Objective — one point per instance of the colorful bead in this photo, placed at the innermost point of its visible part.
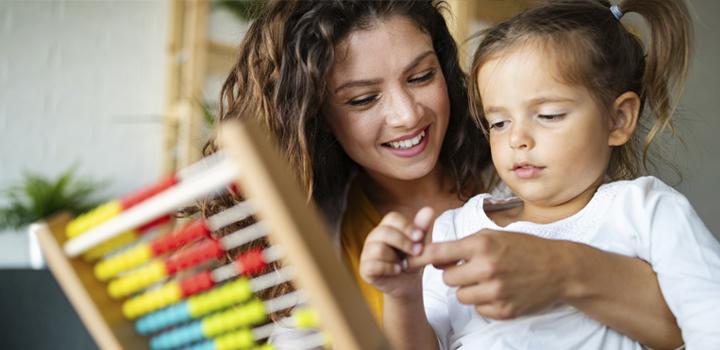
(111, 244)
(251, 262)
(92, 218)
(228, 294)
(305, 318)
(241, 316)
(137, 280)
(152, 300)
(135, 256)
(231, 293)
(249, 314)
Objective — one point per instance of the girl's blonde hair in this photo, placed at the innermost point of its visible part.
(593, 48)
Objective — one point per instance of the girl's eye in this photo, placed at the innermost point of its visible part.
(364, 100)
(422, 77)
(551, 117)
(499, 125)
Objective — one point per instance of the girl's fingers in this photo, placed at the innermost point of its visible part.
(440, 254)
(380, 251)
(374, 269)
(423, 222)
(392, 238)
(402, 224)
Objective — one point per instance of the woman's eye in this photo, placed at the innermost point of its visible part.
(551, 117)
(364, 100)
(423, 77)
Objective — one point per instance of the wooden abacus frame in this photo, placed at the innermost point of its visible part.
(293, 224)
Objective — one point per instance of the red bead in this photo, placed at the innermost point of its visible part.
(172, 241)
(207, 250)
(196, 284)
(251, 262)
(152, 224)
(147, 192)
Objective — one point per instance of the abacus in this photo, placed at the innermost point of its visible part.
(173, 290)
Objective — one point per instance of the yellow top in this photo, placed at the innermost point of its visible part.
(359, 219)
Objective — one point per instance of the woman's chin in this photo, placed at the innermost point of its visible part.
(415, 171)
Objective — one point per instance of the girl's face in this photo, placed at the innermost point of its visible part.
(549, 140)
(388, 104)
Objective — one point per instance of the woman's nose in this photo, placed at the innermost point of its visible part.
(403, 109)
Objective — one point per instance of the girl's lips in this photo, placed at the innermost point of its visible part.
(414, 150)
(527, 171)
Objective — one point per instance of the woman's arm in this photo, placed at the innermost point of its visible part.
(506, 275)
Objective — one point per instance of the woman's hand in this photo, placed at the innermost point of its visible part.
(383, 259)
(504, 275)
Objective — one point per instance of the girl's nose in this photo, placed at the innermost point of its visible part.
(521, 136)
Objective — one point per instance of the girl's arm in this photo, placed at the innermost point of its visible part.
(406, 325)
(506, 275)
(381, 265)
(620, 292)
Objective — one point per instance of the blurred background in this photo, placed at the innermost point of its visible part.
(98, 98)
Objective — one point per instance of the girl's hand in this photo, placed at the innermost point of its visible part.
(383, 259)
(505, 275)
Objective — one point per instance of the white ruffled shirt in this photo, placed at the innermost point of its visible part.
(642, 218)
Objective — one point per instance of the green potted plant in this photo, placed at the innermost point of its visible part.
(37, 197)
(34, 198)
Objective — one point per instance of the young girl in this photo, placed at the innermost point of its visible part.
(560, 91)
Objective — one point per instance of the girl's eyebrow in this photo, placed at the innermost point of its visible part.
(493, 109)
(545, 99)
(532, 102)
(415, 62)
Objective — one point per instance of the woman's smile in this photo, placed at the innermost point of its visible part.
(409, 145)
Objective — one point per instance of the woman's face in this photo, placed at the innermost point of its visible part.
(388, 104)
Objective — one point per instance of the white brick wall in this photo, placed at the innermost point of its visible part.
(82, 82)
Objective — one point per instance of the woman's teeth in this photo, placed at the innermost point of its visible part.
(405, 144)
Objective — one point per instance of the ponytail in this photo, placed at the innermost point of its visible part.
(667, 58)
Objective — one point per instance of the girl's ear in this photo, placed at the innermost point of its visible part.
(623, 121)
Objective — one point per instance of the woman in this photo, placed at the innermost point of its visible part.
(368, 102)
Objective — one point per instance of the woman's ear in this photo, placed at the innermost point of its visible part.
(624, 116)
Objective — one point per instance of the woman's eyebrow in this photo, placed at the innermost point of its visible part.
(415, 62)
(354, 83)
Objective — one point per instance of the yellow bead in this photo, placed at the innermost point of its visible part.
(152, 300)
(124, 261)
(116, 242)
(305, 318)
(240, 316)
(137, 280)
(92, 218)
(241, 339)
(266, 346)
(228, 294)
